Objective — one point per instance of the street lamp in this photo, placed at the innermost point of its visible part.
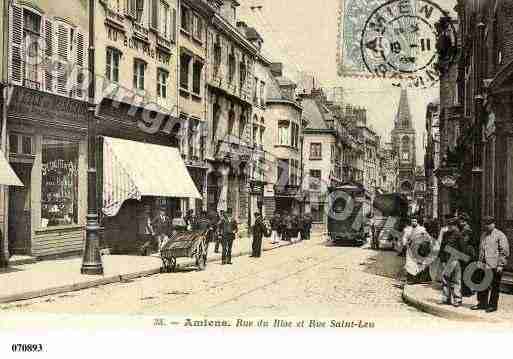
(91, 261)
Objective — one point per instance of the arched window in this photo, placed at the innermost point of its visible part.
(405, 148)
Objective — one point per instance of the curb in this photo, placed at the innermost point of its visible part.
(109, 280)
(440, 311)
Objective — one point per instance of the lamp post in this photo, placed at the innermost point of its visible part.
(91, 261)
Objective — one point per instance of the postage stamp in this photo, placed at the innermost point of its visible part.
(396, 40)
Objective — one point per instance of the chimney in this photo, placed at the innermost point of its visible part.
(277, 69)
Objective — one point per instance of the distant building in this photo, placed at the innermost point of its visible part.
(404, 142)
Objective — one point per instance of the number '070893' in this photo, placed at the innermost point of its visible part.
(27, 348)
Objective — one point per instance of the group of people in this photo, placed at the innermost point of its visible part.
(221, 228)
(456, 248)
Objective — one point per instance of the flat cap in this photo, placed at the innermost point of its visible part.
(488, 220)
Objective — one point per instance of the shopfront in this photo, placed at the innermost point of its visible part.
(48, 152)
(137, 179)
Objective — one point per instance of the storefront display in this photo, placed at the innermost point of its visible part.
(59, 185)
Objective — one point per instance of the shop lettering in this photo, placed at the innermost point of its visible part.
(138, 45)
(48, 103)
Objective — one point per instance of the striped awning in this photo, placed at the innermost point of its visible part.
(7, 175)
(133, 169)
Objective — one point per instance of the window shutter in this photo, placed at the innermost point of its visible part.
(16, 39)
(80, 63)
(48, 55)
(62, 51)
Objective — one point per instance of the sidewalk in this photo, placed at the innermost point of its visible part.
(20, 282)
(426, 297)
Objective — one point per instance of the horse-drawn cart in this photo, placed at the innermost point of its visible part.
(190, 244)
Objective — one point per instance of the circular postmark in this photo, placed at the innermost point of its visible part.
(399, 41)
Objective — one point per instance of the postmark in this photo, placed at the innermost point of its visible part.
(399, 39)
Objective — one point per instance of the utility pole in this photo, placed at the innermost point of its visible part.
(91, 261)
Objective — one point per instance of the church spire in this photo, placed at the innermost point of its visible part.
(403, 117)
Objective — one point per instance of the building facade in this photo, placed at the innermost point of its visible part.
(432, 159)
(230, 83)
(46, 127)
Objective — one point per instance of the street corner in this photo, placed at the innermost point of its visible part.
(427, 297)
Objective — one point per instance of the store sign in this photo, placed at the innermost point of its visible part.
(143, 47)
(32, 103)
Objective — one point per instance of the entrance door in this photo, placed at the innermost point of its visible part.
(19, 211)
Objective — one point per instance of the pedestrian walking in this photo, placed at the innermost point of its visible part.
(452, 240)
(230, 229)
(259, 229)
(219, 230)
(275, 228)
(416, 263)
(287, 227)
(307, 225)
(493, 253)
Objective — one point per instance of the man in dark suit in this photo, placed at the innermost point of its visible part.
(218, 230)
(259, 229)
(493, 253)
(230, 228)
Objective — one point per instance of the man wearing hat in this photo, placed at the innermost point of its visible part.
(162, 226)
(258, 231)
(451, 273)
(493, 252)
(230, 228)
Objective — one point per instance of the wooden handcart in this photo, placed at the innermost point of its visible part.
(190, 244)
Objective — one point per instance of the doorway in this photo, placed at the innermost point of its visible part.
(19, 211)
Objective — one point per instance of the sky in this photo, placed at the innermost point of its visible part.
(303, 35)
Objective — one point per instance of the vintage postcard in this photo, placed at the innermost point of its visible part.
(339, 165)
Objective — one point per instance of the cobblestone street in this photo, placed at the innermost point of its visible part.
(310, 280)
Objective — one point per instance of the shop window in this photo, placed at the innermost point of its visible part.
(162, 77)
(59, 185)
(315, 151)
(13, 143)
(20, 144)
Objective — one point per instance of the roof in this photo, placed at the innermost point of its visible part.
(312, 112)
